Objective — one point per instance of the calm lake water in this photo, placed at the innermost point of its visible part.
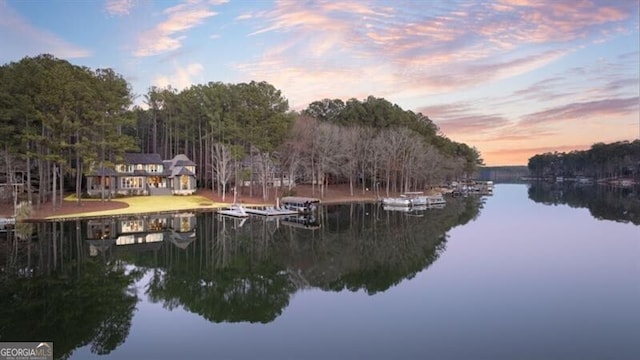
(532, 272)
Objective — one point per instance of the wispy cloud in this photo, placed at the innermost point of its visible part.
(457, 74)
(473, 124)
(182, 77)
(506, 137)
(567, 127)
(461, 119)
(119, 7)
(514, 156)
(497, 74)
(591, 109)
(425, 48)
(21, 37)
(170, 33)
(542, 149)
(559, 21)
(543, 90)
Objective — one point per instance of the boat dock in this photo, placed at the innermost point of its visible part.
(7, 223)
(270, 211)
(416, 198)
(234, 211)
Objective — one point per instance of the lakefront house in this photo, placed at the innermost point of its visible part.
(144, 174)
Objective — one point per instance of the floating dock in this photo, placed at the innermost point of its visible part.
(270, 211)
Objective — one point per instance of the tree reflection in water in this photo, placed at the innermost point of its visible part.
(74, 282)
(621, 204)
(50, 291)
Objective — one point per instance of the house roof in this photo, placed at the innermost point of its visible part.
(181, 160)
(181, 239)
(184, 163)
(176, 171)
(142, 158)
(171, 168)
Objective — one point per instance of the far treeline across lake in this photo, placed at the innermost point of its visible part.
(617, 162)
(59, 121)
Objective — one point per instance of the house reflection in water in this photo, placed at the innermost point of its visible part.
(145, 232)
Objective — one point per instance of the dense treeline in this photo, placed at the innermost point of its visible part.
(601, 161)
(57, 120)
(379, 113)
(244, 133)
(231, 131)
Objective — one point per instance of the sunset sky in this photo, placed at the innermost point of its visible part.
(511, 77)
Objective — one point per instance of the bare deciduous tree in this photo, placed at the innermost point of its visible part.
(222, 161)
(265, 169)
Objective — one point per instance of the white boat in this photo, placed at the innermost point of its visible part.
(419, 201)
(484, 187)
(7, 223)
(432, 200)
(418, 198)
(396, 208)
(396, 201)
(270, 211)
(235, 211)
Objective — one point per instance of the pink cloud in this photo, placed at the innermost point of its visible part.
(472, 124)
(540, 87)
(459, 73)
(181, 78)
(119, 7)
(541, 149)
(290, 16)
(461, 121)
(342, 52)
(435, 48)
(169, 34)
(22, 38)
(581, 110)
(562, 127)
(357, 8)
(559, 21)
(520, 156)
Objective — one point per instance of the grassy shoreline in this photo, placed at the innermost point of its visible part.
(132, 206)
(202, 201)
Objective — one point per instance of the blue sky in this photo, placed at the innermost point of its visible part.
(511, 77)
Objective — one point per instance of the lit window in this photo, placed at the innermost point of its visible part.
(185, 182)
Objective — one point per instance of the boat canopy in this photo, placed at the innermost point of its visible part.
(299, 200)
